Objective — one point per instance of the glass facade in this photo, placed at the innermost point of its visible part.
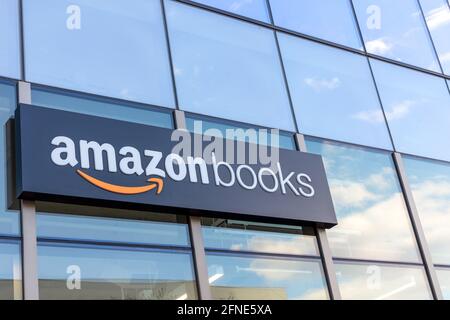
(364, 82)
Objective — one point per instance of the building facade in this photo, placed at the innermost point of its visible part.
(363, 83)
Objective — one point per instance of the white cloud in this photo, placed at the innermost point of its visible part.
(350, 193)
(379, 46)
(438, 17)
(397, 111)
(323, 84)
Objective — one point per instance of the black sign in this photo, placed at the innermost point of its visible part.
(70, 157)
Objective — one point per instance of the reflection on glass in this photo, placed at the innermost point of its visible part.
(252, 278)
(69, 272)
(258, 237)
(255, 9)
(444, 281)
(330, 20)
(417, 108)
(9, 39)
(396, 30)
(92, 106)
(333, 93)
(112, 48)
(437, 14)
(9, 220)
(373, 221)
(219, 129)
(382, 282)
(66, 226)
(227, 68)
(10, 271)
(430, 185)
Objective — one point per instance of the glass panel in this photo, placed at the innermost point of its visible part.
(10, 271)
(252, 278)
(444, 281)
(333, 93)
(9, 220)
(437, 14)
(258, 237)
(417, 108)
(315, 18)
(396, 30)
(227, 68)
(67, 222)
(373, 222)
(70, 272)
(255, 9)
(219, 129)
(382, 282)
(430, 185)
(9, 39)
(107, 47)
(99, 107)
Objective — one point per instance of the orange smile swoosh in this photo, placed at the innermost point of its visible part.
(154, 182)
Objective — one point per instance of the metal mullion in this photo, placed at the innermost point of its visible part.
(196, 236)
(417, 228)
(324, 246)
(169, 54)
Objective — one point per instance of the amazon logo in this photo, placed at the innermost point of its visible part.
(156, 167)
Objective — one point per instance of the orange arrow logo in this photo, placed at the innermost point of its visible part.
(154, 183)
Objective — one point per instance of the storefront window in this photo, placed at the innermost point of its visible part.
(396, 30)
(258, 237)
(111, 48)
(437, 14)
(227, 68)
(254, 278)
(92, 105)
(363, 281)
(430, 184)
(10, 271)
(89, 272)
(373, 222)
(333, 93)
(103, 253)
(444, 281)
(9, 39)
(417, 107)
(314, 18)
(9, 220)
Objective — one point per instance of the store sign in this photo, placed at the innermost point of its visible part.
(69, 157)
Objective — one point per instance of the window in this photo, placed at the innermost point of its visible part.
(9, 39)
(333, 93)
(315, 18)
(96, 106)
(382, 282)
(227, 68)
(444, 281)
(111, 48)
(86, 272)
(396, 30)
(9, 220)
(254, 278)
(255, 9)
(10, 271)
(437, 14)
(430, 184)
(258, 237)
(417, 108)
(90, 253)
(200, 125)
(258, 261)
(373, 222)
